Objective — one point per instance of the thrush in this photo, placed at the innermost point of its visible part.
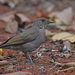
(30, 39)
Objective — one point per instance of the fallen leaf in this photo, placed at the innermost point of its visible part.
(64, 65)
(70, 64)
(4, 62)
(70, 38)
(7, 16)
(66, 15)
(61, 35)
(2, 57)
(43, 50)
(12, 26)
(10, 67)
(50, 8)
(48, 33)
(15, 1)
(42, 13)
(65, 36)
(73, 25)
(10, 3)
(19, 73)
(68, 69)
(22, 18)
(53, 14)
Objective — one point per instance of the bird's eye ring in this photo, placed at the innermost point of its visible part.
(43, 20)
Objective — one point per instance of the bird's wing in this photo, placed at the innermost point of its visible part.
(24, 37)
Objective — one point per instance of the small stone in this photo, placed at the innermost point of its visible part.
(19, 69)
(44, 70)
(64, 48)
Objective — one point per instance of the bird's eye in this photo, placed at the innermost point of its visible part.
(43, 20)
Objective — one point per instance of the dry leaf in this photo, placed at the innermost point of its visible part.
(64, 36)
(68, 69)
(66, 15)
(66, 65)
(7, 1)
(54, 18)
(21, 18)
(3, 62)
(73, 25)
(4, 1)
(42, 13)
(12, 26)
(51, 15)
(50, 8)
(19, 73)
(10, 67)
(48, 33)
(61, 35)
(15, 1)
(11, 3)
(70, 38)
(43, 50)
(2, 57)
(57, 20)
(6, 17)
(68, 44)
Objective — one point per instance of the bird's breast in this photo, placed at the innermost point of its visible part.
(40, 37)
(33, 45)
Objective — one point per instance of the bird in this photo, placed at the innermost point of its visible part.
(28, 40)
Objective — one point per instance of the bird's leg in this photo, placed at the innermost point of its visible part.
(26, 56)
(29, 57)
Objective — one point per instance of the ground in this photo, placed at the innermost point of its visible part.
(41, 66)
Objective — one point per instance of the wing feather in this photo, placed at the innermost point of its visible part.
(24, 37)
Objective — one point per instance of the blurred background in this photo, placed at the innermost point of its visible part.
(22, 13)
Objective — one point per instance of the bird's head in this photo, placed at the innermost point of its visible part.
(42, 22)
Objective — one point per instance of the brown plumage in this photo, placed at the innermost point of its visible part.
(30, 39)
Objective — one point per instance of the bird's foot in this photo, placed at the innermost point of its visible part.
(30, 58)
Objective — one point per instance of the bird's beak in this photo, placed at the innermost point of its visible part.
(50, 22)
